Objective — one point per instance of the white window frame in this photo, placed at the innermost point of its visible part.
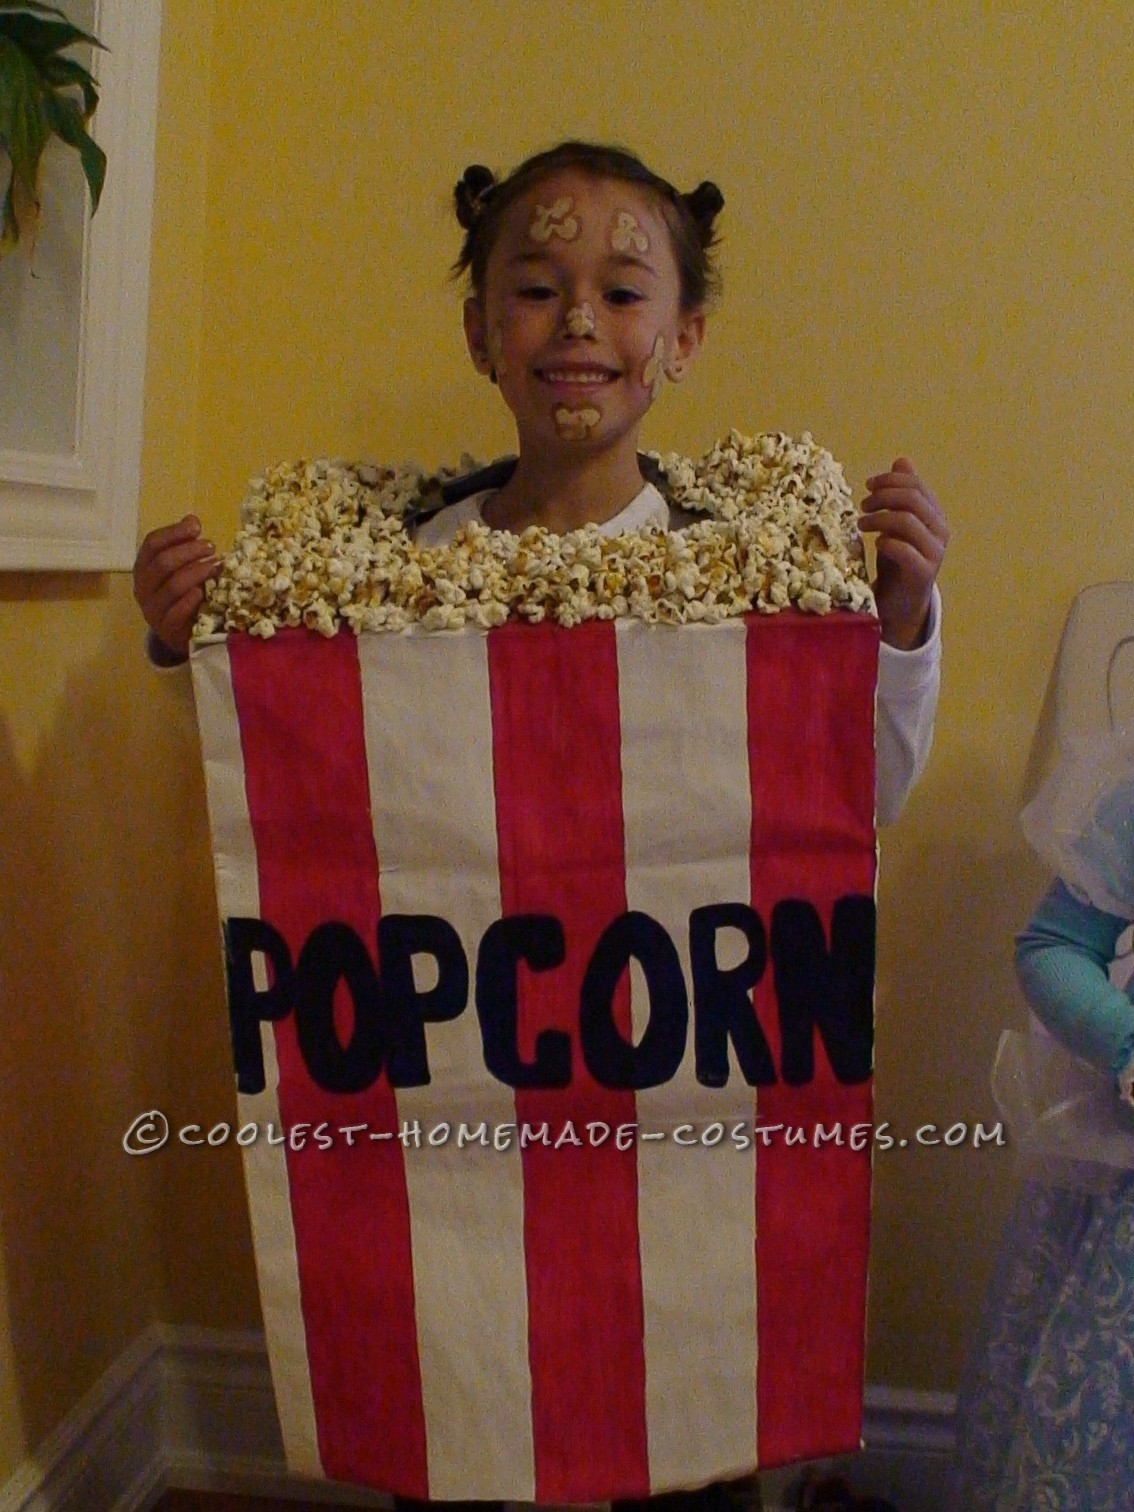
(78, 510)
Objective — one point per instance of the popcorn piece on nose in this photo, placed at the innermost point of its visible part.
(627, 234)
(575, 425)
(653, 374)
(581, 320)
(554, 220)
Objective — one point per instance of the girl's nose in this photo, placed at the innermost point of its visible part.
(580, 320)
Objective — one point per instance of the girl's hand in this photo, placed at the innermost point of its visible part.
(912, 536)
(170, 572)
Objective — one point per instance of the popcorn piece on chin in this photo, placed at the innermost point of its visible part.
(554, 220)
(575, 425)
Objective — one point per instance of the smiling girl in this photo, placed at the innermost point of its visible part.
(589, 280)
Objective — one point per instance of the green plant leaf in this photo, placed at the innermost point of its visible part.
(35, 102)
(9, 228)
(41, 36)
(66, 120)
(63, 72)
(24, 128)
(25, 208)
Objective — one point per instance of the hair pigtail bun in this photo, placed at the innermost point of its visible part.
(472, 190)
(704, 204)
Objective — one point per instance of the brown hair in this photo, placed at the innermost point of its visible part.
(481, 200)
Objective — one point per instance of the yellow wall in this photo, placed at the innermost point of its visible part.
(927, 240)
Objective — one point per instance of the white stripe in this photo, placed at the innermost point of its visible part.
(429, 752)
(685, 792)
(265, 1166)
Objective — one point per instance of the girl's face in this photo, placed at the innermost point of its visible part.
(581, 317)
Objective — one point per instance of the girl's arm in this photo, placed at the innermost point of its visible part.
(1062, 960)
(911, 536)
(908, 686)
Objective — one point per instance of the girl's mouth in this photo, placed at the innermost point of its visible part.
(575, 379)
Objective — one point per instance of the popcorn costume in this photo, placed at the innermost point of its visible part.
(1046, 1411)
(461, 778)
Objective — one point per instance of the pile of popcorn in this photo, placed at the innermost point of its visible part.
(325, 543)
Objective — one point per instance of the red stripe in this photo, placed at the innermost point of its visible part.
(811, 748)
(557, 762)
(299, 702)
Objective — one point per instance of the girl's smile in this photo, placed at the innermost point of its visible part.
(576, 376)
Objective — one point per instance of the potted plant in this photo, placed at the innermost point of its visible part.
(42, 94)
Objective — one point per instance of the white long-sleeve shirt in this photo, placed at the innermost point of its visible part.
(908, 681)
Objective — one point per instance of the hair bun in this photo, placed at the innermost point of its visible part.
(705, 203)
(472, 190)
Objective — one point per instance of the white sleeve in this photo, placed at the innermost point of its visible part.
(908, 685)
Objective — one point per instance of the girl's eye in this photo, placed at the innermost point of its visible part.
(623, 296)
(536, 291)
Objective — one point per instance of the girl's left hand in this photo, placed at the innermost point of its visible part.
(912, 536)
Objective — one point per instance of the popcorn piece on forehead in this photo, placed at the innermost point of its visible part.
(554, 220)
(653, 374)
(627, 234)
(581, 320)
(575, 425)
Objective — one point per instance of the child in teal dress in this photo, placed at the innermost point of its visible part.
(1046, 1413)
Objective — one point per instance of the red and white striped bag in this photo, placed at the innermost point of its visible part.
(451, 1315)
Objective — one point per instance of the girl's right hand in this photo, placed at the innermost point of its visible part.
(170, 572)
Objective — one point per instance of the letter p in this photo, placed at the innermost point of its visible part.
(248, 1007)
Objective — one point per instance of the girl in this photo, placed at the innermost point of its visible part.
(590, 278)
(1046, 1414)
(589, 282)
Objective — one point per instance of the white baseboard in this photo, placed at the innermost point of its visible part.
(106, 1455)
(193, 1408)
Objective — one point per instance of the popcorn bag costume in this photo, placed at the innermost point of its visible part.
(548, 910)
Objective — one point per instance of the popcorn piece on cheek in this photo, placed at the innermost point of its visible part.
(576, 425)
(554, 220)
(496, 350)
(654, 372)
(674, 369)
(581, 320)
(627, 234)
